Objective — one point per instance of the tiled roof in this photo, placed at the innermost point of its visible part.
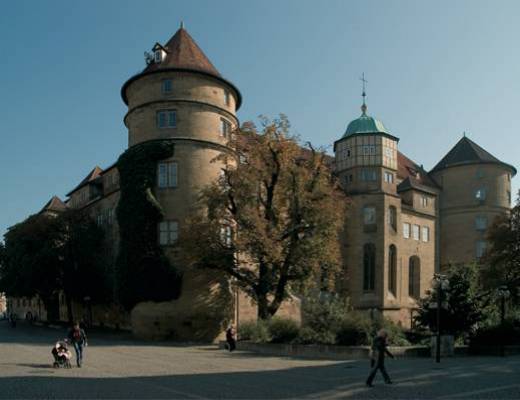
(55, 204)
(183, 52)
(412, 175)
(95, 173)
(468, 152)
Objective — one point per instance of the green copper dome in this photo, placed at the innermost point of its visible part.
(365, 124)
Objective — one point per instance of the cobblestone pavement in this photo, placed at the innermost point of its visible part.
(118, 367)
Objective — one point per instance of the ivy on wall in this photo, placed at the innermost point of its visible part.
(144, 272)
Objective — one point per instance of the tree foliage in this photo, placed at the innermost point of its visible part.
(272, 220)
(501, 264)
(462, 304)
(46, 254)
(144, 272)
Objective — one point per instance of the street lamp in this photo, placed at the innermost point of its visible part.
(503, 294)
(441, 284)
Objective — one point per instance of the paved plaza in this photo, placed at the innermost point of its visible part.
(119, 367)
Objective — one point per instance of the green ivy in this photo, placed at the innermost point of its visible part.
(144, 273)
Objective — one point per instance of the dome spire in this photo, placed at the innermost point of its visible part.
(364, 94)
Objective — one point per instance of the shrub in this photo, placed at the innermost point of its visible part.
(322, 318)
(257, 332)
(508, 334)
(354, 330)
(283, 330)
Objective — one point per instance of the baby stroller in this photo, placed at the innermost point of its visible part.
(61, 354)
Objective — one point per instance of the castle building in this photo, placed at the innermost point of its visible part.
(403, 222)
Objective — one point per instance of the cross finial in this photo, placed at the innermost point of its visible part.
(182, 24)
(364, 94)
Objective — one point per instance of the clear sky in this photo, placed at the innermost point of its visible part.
(434, 70)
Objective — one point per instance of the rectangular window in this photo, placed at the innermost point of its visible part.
(369, 215)
(369, 149)
(388, 152)
(481, 223)
(508, 197)
(480, 194)
(424, 201)
(166, 86)
(227, 98)
(226, 235)
(167, 174)
(225, 128)
(406, 230)
(425, 234)
(166, 119)
(416, 232)
(168, 232)
(368, 174)
(389, 177)
(481, 248)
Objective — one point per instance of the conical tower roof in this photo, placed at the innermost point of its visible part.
(468, 152)
(183, 52)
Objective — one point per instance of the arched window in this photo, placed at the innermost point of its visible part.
(392, 269)
(369, 266)
(392, 217)
(414, 277)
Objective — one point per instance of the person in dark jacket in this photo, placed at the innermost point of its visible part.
(230, 338)
(78, 338)
(379, 351)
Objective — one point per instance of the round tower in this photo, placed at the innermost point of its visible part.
(180, 96)
(476, 188)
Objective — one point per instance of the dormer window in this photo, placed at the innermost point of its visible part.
(159, 53)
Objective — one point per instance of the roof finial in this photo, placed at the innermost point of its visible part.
(182, 24)
(364, 106)
(464, 134)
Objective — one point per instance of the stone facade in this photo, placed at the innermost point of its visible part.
(403, 223)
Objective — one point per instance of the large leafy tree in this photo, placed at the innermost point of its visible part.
(462, 303)
(272, 220)
(46, 254)
(501, 264)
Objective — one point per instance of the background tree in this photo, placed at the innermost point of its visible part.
(33, 259)
(273, 219)
(463, 305)
(501, 264)
(47, 254)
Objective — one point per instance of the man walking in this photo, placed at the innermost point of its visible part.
(230, 338)
(379, 350)
(78, 339)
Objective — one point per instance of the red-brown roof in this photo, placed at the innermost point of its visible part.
(412, 174)
(95, 173)
(183, 52)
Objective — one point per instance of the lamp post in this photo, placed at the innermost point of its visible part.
(503, 294)
(441, 283)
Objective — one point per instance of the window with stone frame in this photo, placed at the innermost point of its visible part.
(481, 223)
(425, 234)
(392, 217)
(167, 174)
(414, 277)
(166, 86)
(481, 247)
(225, 128)
(416, 232)
(406, 230)
(480, 194)
(392, 269)
(166, 119)
(168, 232)
(369, 215)
(369, 267)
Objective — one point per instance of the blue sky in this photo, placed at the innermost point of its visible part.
(434, 70)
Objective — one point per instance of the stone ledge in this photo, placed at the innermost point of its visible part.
(325, 351)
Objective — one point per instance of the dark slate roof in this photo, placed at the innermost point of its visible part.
(468, 152)
(54, 205)
(95, 173)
